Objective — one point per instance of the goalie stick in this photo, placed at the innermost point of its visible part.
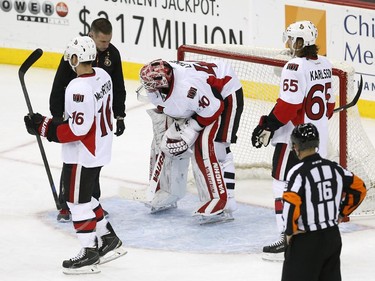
(354, 101)
(33, 57)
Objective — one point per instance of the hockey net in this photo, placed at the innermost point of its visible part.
(259, 70)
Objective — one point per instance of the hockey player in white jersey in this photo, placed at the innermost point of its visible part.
(305, 97)
(86, 137)
(199, 105)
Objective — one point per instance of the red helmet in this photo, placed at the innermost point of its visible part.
(156, 75)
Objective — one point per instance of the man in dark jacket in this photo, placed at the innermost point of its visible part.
(108, 57)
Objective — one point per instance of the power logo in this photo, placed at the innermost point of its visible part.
(34, 8)
(318, 17)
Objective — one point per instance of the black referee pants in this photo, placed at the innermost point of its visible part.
(313, 256)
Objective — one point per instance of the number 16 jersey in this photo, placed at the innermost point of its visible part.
(87, 133)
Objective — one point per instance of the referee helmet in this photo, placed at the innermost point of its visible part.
(305, 136)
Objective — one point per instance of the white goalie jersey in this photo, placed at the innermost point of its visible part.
(198, 88)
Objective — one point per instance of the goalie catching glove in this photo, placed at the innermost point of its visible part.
(187, 134)
(36, 124)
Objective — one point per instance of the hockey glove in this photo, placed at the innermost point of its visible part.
(120, 126)
(188, 134)
(190, 131)
(36, 124)
(262, 134)
(176, 147)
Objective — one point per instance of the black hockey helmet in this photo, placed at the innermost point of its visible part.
(305, 136)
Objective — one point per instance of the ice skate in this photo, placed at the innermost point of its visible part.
(213, 211)
(222, 217)
(64, 216)
(111, 248)
(162, 201)
(163, 208)
(275, 251)
(84, 263)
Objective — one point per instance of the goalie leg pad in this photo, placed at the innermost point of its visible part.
(173, 182)
(225, 157)
(208, 174)
(163, 198)
(211, 208)
(166, 173)
(175, 176)
(160, 123)
(171, 173)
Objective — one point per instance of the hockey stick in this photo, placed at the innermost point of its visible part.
(21, 73)
(155, 176)
(354, 101)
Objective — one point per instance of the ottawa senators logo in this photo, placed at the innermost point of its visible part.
(192, 93)
(78, 97)
(292, 66)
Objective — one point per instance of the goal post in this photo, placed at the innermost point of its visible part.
(259, 71)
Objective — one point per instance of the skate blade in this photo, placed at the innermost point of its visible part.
(63, 221)
(112, 255)
(273, 257)
(164, 208)
(88, 269)
(216, 219)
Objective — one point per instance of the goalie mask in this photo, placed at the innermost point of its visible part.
(301, 29)
(305, 136)
(83, 47)
(157, 77)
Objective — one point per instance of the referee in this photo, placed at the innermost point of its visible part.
(319, 194)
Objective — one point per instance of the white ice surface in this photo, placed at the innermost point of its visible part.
(32, 246)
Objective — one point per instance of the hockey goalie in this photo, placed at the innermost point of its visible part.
(197, 114)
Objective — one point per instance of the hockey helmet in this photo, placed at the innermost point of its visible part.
(83, 47)
(305, 136)
(301, 29)
(156, 75)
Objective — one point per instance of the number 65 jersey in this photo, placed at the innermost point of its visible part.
(305, 97)
(87, 132)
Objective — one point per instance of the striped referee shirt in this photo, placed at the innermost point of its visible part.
(318, 191)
